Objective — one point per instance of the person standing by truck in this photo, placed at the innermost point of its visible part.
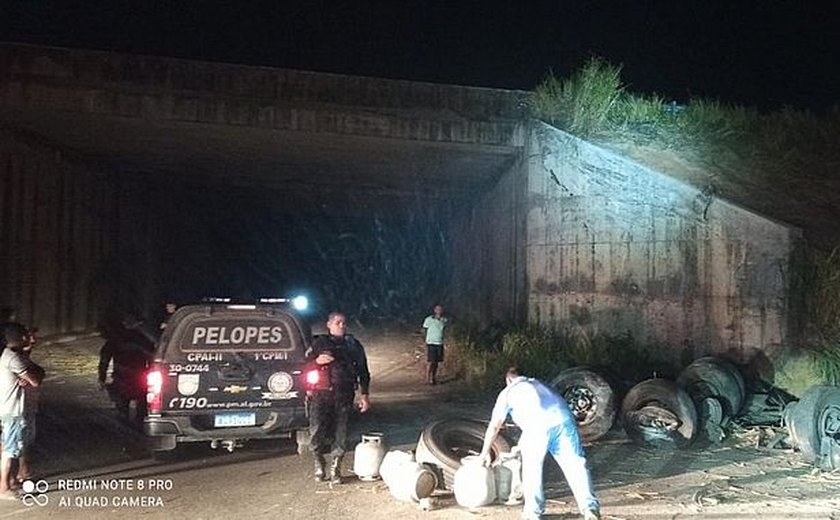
(130, 349)
(344, 365)
(169, 309)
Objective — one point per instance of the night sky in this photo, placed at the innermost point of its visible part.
(762, 53)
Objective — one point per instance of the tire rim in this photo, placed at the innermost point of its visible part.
(582, 402)
(711, 411)
(829, 424)
(655, 422)
(828, 431)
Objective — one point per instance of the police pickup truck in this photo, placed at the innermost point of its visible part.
(225, 373)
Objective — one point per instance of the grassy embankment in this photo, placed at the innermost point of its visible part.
(788, 152)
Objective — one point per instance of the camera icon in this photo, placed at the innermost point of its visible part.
(34, 493)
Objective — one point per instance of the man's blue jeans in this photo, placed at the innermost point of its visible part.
(563, 443)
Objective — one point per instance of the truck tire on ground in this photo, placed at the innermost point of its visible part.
(658, 413)
(814, 426)
(716, 378)
(591, 399)
(444, 443)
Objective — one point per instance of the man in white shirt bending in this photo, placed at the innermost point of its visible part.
(548, 426)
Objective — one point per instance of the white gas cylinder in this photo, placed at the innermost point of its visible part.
(368, 456)
(413, 483)
(475, 484)
(389, 470)
(406, 479)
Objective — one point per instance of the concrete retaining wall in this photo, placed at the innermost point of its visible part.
(77, 241)
(489, 251)
(621, 248)
(55, 229)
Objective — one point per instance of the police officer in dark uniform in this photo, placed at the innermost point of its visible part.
(341, 358)
(130, 348)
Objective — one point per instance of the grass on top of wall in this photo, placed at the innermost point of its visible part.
(787, 146)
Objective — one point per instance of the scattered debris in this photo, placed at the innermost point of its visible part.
(556, 502)
(331, 491)
(699, 497)
(716, 475)
(818, 475)
(426, 504)
(643, 495)
(762, 437)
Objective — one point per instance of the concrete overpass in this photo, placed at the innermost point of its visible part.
(125, 176)
(309, 135)
(102, 151)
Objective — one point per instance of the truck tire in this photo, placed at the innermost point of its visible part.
(302, 438)
(814, 426)
(658, 413)
(590, 398)
(444, 443)
(716, 378)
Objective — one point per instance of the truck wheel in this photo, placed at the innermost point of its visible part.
(814, 426)
(716, 378)
(590, 398)
(302, 439)
(445, 443)
(658, 413)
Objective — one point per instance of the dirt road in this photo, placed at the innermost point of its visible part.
(81, 446)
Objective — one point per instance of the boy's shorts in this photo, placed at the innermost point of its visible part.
(434, 353)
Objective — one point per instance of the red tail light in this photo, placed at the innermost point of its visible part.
(317, 378)
(154, 390)
(313, 377)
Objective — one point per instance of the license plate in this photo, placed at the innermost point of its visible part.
(224, 420)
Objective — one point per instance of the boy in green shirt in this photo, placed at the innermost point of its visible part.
(434, 325)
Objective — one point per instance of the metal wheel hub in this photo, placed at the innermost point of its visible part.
(582, 402)
(655, 422)
(829, 435)
(829, 424)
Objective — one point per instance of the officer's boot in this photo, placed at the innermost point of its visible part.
(335, 470)
(320, 470)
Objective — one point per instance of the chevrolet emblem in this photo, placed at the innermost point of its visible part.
(234, 389)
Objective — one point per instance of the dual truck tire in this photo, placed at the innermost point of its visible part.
(656, 412)
(814, 426)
